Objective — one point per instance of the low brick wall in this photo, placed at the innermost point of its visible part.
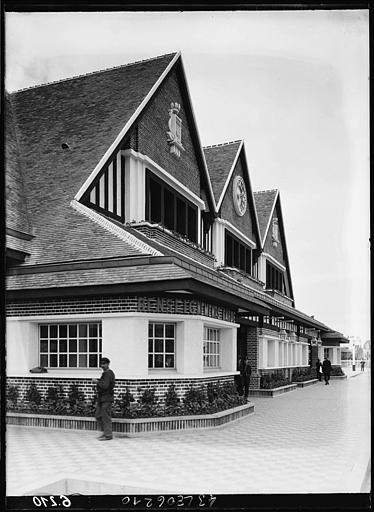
(272, 392)
(338, 377)
(44, 381)
(133, 427)
(306, 383)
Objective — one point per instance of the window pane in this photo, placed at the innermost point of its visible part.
(44, 331)
(82, 361)
(155, 201)
(192, 224)
(53, 331)
(62, 331)
(100, 330)
(72, 345)
(150, 329)
(44, 360)
(93, 345)
(73, 361)
(159, 345)
(44, 346)
(236, 254)
(82, 330)
(150, 345)
(159, 330)
(72, 331)
(150, 361)
(169, 219)
(159, 361)
(169, 345)
(169, 331)
(169, 361)
(63, 360)
(53, 345)
(82, 345)
(181, 216)
(93, 360)
(242, 257)
(92, 330)
(53, 360)
(63, 346)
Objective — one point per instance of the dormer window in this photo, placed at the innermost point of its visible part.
(175, 130)
(275, 232)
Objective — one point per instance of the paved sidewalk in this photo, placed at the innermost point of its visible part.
(312, 440)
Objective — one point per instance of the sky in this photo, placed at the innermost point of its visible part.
(293, 84)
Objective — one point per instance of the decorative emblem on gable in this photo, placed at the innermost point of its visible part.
(275, 232)
(239, 196)
(175, 130)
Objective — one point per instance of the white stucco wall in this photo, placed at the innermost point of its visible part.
(22, 347)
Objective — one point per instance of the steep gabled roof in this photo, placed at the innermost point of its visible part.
(220, 159)
(265, 204)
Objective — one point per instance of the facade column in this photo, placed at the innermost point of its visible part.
(134, 187)
(219, 242)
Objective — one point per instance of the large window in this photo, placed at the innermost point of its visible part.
(75, 345)
(237, 254)
(166, 206)
(161, 345)
(211, 348)
(274, 278)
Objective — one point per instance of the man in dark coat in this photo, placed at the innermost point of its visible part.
(326, 369)
(318, 367)
(245, 375)
(104, 399)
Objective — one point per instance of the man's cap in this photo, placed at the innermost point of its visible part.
(104, 360)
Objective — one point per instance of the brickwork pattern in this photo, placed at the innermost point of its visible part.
(135, 386)
(152, 132)
(118, 304)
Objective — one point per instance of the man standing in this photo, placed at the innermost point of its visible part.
(326, 369)
(318, 370)
(245, 375)
(104, 399)
(362, 365)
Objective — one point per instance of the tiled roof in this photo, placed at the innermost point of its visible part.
(264, 205)
(87, 113)
(96, 276)
(16, 204)
(219, 160)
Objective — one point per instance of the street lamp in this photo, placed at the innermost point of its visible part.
(354, 359)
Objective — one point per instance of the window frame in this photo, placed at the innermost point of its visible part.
(215, 355)
(275, 278)
(164, 338)
(70, 354)
(184, 218)
(236, 253)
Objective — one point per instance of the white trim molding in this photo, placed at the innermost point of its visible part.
(236, 232)
(274, 261)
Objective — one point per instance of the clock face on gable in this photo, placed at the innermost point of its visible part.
(239, 193)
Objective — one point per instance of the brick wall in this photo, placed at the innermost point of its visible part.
(252, 354)
(85, 385)
(119, 304)
(152, 135)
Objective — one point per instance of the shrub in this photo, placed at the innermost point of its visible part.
(122, 406)
(12, 396)
(55, 401)
(195, 400)
(172, 402)
(337, 371)
(302, 374)
(274, 380)
(33, 395)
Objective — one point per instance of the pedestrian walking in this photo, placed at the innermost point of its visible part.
(104, 399)
(245, 375)
(362, 365)
(326, 369)
(319, 369)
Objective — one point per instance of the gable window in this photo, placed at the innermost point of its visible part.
(161, 345)
(211, 348)
(76, 345)
(274, 278)
(237, 254)
(165, 205)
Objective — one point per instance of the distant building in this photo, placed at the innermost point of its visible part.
(126, 238)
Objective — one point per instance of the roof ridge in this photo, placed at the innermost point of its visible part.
(265, 191)
(223, 144)
(91, 73)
